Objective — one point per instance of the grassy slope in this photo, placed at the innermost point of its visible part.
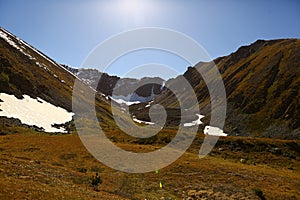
(262, 83)
(21, 75)
(24, 76)
(40, 166)
(265, 86)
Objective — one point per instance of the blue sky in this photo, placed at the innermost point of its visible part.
(68, 30)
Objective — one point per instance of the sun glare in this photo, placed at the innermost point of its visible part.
(130, 7)
(133, 12)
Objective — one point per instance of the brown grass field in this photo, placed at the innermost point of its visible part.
(41, 166)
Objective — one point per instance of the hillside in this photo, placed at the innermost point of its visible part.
(262, 83)
(127, 89)
(26, 71)
(34, 78)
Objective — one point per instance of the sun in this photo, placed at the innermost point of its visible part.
(131, 13)
(132, 7)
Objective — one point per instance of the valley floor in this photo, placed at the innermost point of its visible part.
(41, 166)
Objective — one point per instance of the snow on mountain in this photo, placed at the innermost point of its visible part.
(215, 131)
(130, 99)
(5, 35)
(141, 121)
(133, 98)
(162, 85)
(136, 97)
(89, 76)
(196, 122)
(22, 45)
(122, 101)
(122, 90)
(34, 112)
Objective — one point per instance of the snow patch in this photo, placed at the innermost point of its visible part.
(36, 112)
(196, 122)
(9, 41)
(162, 85)
(38, 64)
(42, 55)
(121, 101)
(133, 98)
(141, 122)
(7, 37)
(13, 44)
(215, 131)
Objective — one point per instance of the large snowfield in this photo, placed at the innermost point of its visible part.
(34, 112)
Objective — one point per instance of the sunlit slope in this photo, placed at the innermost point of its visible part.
(26, 71)
(262, 84)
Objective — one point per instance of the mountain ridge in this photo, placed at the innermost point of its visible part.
(262, 85)
(128, 89)
(26, 71)
(261, 81)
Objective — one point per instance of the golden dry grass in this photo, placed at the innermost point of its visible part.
(40, 166)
